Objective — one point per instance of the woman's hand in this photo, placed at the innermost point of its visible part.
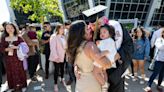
(14, 47)
(77, 72)
(9, 49)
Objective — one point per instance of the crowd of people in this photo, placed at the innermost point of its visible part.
(95, 56)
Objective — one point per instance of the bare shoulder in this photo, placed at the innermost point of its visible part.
(89, 45)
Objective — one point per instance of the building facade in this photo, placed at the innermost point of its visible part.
(148, 12)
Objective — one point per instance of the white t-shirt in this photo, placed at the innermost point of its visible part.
(109, 45)
(156, 35)
(159, 44)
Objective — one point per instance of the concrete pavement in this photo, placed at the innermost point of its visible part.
(47, 85)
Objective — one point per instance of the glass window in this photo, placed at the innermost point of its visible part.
(156, 17)
(117, 15)
(162, 3)
(126, 7)
(96, 3)
(143, 1)
(160, 9)
(112, 6)
(119, 7)
(148, 1)
(144, 16)
(162, 21)
(133, 7)
(146, 8)
(102, 3)
(163, 10)
(138, 15)
(155, 22)
(113, 0)
(141, 7)
(131, 15)
(120, 0)
(124, 15)
(103, 0)
(111, 15)
(135, 1)
(151, 23)
(162, 17)
(127, 0)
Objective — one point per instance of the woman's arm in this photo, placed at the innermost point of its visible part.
(93, 52)
(147, 48)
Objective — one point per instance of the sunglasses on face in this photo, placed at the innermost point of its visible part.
(45, 26)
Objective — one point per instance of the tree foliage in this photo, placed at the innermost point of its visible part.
(38, 9)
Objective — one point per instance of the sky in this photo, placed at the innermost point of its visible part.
(4, 11)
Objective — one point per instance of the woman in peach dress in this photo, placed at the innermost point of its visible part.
(83, 53)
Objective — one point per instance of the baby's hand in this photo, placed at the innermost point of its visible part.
(97, 42)
(117, 57)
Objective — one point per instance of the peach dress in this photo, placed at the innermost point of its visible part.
(87, 82)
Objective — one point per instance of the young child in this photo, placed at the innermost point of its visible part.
(108, 49)
(33, 35)
(141, 53)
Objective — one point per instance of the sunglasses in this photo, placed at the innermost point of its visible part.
(45, 26)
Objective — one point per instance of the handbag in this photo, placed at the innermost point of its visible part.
(152, 64)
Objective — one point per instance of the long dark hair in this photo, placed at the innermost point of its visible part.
(75, 37)
(15, 30)
(143, 37)
(110, 29)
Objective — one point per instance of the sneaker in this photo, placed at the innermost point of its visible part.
(55, 88)
(147, 89)
(69, 82)
(63, 82)
(159, 88)
(134, 79)
(24, 89)
(34, 79)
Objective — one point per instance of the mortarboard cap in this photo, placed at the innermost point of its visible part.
(92, 13)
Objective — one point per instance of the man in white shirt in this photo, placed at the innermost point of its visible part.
(156, 35)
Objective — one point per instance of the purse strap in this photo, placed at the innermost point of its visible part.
(156, 53)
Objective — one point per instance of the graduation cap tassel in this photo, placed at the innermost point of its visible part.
(96, 30)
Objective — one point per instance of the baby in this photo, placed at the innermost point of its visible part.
(33, 36)
(108, 48)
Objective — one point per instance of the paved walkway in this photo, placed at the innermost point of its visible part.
(47, 85)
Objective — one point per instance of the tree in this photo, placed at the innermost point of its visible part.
(38, 9)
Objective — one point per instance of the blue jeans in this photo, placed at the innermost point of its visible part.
(71, 71)
(158, 69)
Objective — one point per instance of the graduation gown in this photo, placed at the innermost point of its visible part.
(114, 74)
